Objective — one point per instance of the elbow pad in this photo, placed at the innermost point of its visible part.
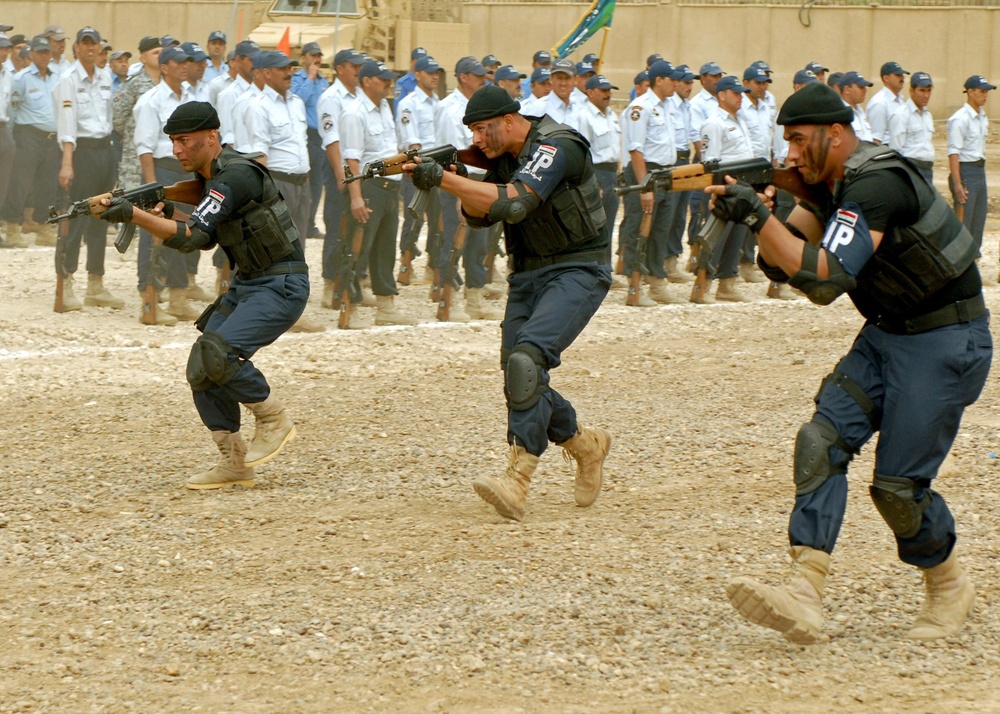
(513, 210)
(773, 273)
(821, 291)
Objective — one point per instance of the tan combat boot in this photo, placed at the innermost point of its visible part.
(389, 314)
(727, 292)
(702, 296)
(197, 292)
(588, 448)
(70, 300)
(328, 294)
(675, 274)
(179, 307)
(162, 317)
(618, 282)
(508, 493)
(794, 610)
(949, 600)
(368, 299)
(494, 292)
(476, 308)
(641, 299)
(97, 295)
(231, 469)
(751, 273)
(14, 238)
(307, 324)
(658, 292)
(46, 235)
(273, 430)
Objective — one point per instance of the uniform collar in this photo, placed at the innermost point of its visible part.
(273, 95)
(341, 88)
(367, 103)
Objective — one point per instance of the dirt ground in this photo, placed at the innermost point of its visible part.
(363, 574)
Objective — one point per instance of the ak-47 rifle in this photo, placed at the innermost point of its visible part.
(642, 258)
(61, 235)
(493, 250)
(759, 173)
(451, 278)
(350, 284)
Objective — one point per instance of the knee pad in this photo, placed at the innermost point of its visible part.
(812, 455)
(209, 362)
(895, 499)
(524, 382)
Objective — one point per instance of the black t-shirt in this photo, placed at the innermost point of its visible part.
(886, 200)
(227, 192)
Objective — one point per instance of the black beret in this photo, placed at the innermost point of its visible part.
(193, 116)
(488, 102)
(815, 103)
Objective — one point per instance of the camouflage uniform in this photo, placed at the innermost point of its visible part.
(129, 171)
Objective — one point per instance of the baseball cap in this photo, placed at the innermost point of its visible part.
(761, 64)
(273, 59)
(541, 57)
(312, 48)
(348, 55)
(541, 74)
(565, 66)
(585, 68)
(40, 44)
(756, 74)
(816, 67)
(659, 68)
(54, 32)
(371, 68)
(470, 65)
(710, 68)
(168, 40)
(174, 53)
(88, 32)
(591, 57)
(6, 28)
(599, 81)
(426, 64)
(417, 53)
(194, 50)
(805, 76)
(978, 81)
(921, 79)
(120, 53)
(106, 46)
(731, 83)
(5, 41)
(643, 76)
(490, 61)
(246, 48)
(508, 72)
(655, 57)
(217, 35)
(149, 43)
(683, 73)
(854, 78)
(891, 68)
(17, 39)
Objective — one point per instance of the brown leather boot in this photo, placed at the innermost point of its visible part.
(794, 610)
(588, 448)
(508, 493)
(231, 470)
(949, 600)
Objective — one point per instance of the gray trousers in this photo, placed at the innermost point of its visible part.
(7, 162)
(299, 201)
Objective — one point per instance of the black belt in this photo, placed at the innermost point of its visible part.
(384, 184)
(294, 179)
(83, 142)
(276, 269)
(651, 166)
(169, 163)
(961, 311)
(522, 264)
(609, 166)
(977, 162)
(35, 130)
(684, 154)
(926, 165)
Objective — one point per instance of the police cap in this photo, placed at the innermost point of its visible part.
(815, 103)
(149, 43)
(488, 102)
(192, 116)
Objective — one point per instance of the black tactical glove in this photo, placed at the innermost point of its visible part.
(120, 211)
(461, 169)
(186, 243)
(168, 209)
(741, 204)
(427, 175)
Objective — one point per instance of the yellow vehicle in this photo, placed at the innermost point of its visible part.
(387, 30)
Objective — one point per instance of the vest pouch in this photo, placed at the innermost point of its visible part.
(542, 232)
(899, 292)
(267, 241)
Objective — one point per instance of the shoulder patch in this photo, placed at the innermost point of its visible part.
(405, 116)
(636, 113)
(848, 218)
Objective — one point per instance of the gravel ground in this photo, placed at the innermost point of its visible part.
(362, 574)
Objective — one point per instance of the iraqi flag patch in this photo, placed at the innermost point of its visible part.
(848, 218)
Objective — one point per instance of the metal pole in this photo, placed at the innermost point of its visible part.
(336, 29)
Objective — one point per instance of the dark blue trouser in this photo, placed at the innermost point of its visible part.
(657, 249)
(475, 247)
(974, 179)
(549, 308)
(178, 265)
(93, 173)
(728, 251)
(378, 251)
(698, 203)
(608, 180)
(675, 243)
(37, 159)
(320, 174)
(920, 385)
(252, 314)
(335, 205)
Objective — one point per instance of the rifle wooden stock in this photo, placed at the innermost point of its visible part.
(448, 281)
(357, 240)
(405, 267)
(225, 277)
(635, 277)
(62, 233)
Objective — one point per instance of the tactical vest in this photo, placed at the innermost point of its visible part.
(912, 262)
(573, 215)
(259, 234)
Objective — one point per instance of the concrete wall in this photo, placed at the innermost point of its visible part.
(949, 43)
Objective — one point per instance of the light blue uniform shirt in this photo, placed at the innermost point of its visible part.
(31, 99)
(309, 91)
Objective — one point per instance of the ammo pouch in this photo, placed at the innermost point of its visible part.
(259, 238)
(563, 221)
(202, 322)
